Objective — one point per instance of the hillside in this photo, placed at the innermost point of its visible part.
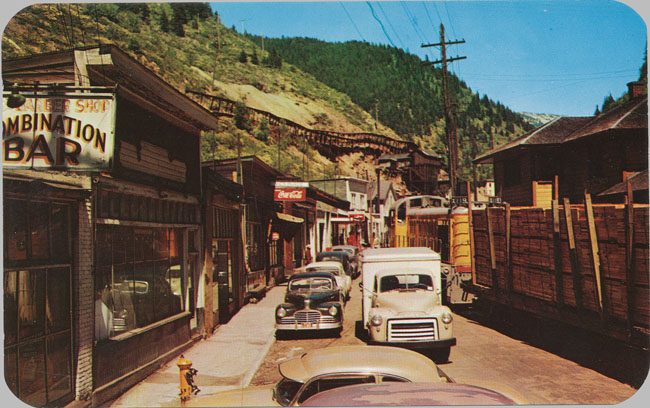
(190, 62)
(186, 45)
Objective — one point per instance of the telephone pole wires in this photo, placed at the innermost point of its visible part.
(450, 116)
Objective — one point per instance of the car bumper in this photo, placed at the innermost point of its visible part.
(417, 345)
(308, 326)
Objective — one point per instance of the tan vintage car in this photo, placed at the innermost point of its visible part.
(330, 368)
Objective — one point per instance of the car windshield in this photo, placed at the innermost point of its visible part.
(346, 250)
(310, 284)
(334, 271)
(285, 390)
(330, 258)
(405, 282)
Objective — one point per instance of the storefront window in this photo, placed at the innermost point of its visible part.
(139, 277)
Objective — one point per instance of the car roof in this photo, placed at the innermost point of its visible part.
(337, 248)
(407, 394)
(339, 254)
(325, 264)
(361, 359)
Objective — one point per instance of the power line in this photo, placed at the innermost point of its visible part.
(381, 24)
(381, 8)
(352, 21)
(412, 20)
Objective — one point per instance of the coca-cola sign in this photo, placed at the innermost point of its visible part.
(289, 194)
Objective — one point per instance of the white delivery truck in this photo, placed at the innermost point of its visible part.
(402, 301)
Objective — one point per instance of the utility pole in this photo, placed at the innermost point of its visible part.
(472, 135)
(450, 117)
(216, 58)
(376, 115)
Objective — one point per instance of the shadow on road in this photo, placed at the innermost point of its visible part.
(605, 355)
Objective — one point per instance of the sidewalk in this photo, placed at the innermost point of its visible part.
(229, 357)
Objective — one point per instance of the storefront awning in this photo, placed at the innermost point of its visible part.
(289, 218)
(40, 186)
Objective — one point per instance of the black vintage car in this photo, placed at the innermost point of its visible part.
(312, 302)
(337, 256)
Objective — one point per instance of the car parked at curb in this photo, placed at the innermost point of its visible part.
(343, 280)
(333, 367)
(313, 301)
(337, 256)
(353, 257)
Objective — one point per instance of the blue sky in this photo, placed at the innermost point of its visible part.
(555, 56)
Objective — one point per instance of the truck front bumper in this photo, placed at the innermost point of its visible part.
(417, 345)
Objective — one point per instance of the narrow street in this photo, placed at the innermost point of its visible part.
(484, 355)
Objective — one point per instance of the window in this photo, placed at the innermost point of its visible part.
(37, 300)
(331, 382)
(139, 277)
(405, 282)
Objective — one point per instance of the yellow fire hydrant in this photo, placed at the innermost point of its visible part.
(186, 374)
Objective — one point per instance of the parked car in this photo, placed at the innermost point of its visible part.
(341, 257)
(353, 256)
(332, 367)
(335, 268)
(313, 301)
(409, 394)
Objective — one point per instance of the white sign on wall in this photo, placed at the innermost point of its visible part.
(71, 132)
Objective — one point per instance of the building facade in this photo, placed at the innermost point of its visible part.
(102, 190)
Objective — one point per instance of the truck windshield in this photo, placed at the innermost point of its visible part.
(405, 282)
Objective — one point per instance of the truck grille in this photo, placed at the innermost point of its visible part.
(412, 330)
(311, 316)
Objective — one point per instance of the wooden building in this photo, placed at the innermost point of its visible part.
(222, 218)
(263, 259)
(579, 153)
(419, 169)
(102, 185)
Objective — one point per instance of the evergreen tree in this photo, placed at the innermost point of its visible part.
(164, 22)
(178, 19)
(608, 103)
(254, 58)
(243, 58)
(241, 118)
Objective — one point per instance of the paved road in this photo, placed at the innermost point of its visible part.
(483, 355)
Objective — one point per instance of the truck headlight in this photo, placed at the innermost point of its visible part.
(333, 310)
(281, 312)
(447, 318)
(376, 320)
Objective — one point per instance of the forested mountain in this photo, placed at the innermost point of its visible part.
(403, 91)
(333, 86)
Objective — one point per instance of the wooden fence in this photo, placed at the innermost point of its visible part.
(586, 265)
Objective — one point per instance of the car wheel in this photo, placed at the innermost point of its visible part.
(280, 335)
(441, 355)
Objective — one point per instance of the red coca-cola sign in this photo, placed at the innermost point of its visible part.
(289, 194)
